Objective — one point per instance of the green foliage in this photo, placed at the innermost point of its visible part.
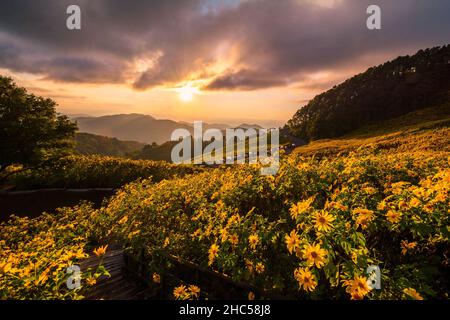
(91, 144)
(30, 129)
(96, 172)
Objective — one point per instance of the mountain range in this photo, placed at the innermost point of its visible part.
(141, 128)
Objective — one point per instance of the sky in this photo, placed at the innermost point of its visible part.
(227, 61)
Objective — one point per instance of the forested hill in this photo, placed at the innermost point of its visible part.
(90, 144)
(395, 88)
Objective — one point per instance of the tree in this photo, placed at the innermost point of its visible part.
(31, 132)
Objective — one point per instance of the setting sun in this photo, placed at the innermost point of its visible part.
(187, 93)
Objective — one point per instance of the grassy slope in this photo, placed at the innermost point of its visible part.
(402, 133)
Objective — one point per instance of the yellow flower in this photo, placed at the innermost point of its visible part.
(253, 241)
(251, 296)
(301, 207)
(370, 190)
(314, 255)
(180, 293)
(123, 220)
(234, 239)
(194, 291)
(259, 267)
(428, 208)
(43, 277)
(213, 252)
(223, 234)
(197, 233)
(336, 205)
(249, 265)
(357, 288)
(402, 205)
(364, 217)
(156, 278)
(305, 279)
(292, 241)
(382, 205)
(166, 242)
(393, 216)
(407, 246)
(414, 203)
(440, 197)
(323, 221)
(412, 293)
(363, 212)
(91, 281)
(100, 251)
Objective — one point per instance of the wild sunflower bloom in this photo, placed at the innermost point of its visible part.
(415, 203)
(300, 207)
(194, 291)
(180, 293)
(156, 278)
(323, 221)
(249, 265)
(223, 235)
(253, 241)
(123, 220)
(440, 197)
(370, 190)
(305, 278)
(292, 241)
(91, 281)
(166, 242)
(402, 205)
(358, 287)
(100, 251)
(363, 221)
(412, 293)
(260, 267)
(314, 255)
(406, 246)
(428, 208)
(339, 206)
(234, 239)
(364, 217)
(213, 252)
(363, 212)
(393, 216)
(382, 205)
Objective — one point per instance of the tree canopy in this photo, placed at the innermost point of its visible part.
(384, 92)
(31, 131)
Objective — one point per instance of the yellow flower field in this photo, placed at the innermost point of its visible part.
(310, 232)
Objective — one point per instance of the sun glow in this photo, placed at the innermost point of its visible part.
(187, 93)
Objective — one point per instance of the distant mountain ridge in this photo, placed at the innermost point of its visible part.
(141, 128)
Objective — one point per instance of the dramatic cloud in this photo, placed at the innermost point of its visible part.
(224, 45)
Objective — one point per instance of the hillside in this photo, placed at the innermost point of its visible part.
(384, 92)
(130, 127)
(405, 133)
(91, 144)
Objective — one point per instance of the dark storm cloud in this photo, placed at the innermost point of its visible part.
(280, 41)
